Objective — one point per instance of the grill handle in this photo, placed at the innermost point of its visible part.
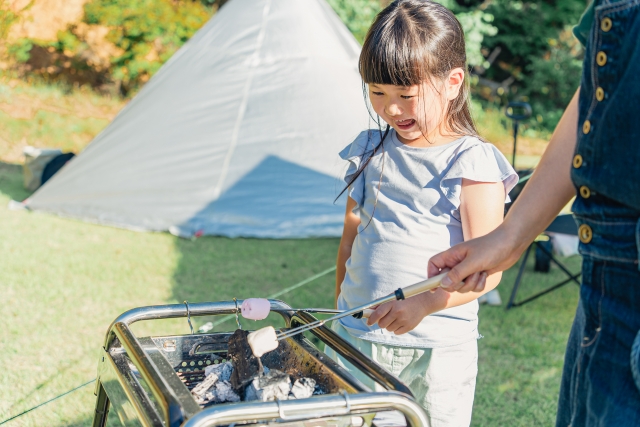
(171, 311)
(327, 405)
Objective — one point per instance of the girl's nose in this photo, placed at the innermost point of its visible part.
(393, 110)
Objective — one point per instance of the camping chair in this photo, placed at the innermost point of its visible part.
(564, 224)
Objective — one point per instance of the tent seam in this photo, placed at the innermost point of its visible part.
(243, 104)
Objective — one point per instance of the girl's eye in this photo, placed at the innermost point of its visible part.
(377, 93)
(406, 96)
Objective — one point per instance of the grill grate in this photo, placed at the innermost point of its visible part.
(191, 370)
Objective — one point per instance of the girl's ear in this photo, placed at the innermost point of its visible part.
(454, 83)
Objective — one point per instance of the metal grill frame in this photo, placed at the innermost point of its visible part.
(163, 400)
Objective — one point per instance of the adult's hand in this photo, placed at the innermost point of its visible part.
(472, 261)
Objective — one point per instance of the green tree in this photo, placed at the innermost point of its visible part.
(534, 55)
(147, 32)
(143, 35)
(358, 15)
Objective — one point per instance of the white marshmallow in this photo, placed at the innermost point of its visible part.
(263, 341)
(255, 308)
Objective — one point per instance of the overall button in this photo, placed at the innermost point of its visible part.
(601, 58)
(577, 161)
(586, 127)
(599, 94)
(606, 24)
(585, 233)
(585, 192)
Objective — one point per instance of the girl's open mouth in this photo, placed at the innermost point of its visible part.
(405, 124)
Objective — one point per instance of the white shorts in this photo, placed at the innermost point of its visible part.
(442, 380)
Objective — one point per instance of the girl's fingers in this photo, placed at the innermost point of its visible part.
(481, 282)
(402, 330)
(386, 320)
(470, 283)
(378, 314)
(393, 325)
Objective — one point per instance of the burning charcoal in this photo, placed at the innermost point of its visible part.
(303, 388)
(225, 392)
(271, 386)
(222, 370)
(205, 385)
(246, 365)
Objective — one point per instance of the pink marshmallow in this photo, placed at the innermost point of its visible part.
(255, 308)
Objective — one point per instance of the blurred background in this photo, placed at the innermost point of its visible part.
(67, 67)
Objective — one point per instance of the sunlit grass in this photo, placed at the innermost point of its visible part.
(50, 116)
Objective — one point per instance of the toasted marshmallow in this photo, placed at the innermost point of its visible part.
(263, 341)
(255, 308)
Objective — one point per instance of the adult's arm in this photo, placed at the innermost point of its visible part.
(544, 196)
(349, 232)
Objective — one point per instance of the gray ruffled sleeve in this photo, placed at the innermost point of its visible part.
(355, 153)
(482, 163)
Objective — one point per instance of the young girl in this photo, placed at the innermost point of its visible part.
(417, 186)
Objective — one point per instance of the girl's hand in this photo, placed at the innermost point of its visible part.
(400, 317)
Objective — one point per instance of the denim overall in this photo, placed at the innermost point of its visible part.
(601, 378)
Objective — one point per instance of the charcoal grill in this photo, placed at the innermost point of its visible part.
(147, 381)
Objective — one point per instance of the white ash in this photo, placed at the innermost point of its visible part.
(212, 390)
(225, 392)
(201, 389)
(303, 388)
(216, 386)
(222, 370)
(271, 386)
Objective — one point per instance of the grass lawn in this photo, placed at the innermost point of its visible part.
(64, 281)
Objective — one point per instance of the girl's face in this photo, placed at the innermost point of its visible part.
(417, 112)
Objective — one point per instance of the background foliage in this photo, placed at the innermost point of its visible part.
(517, 49)
(537, 57)
(122, 42)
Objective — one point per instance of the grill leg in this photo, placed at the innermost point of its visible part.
(102, 407)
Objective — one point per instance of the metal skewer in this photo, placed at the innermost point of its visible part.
(309, 310)
(359, 315)
(399, 294)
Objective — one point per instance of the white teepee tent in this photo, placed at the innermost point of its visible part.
(236, 135)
